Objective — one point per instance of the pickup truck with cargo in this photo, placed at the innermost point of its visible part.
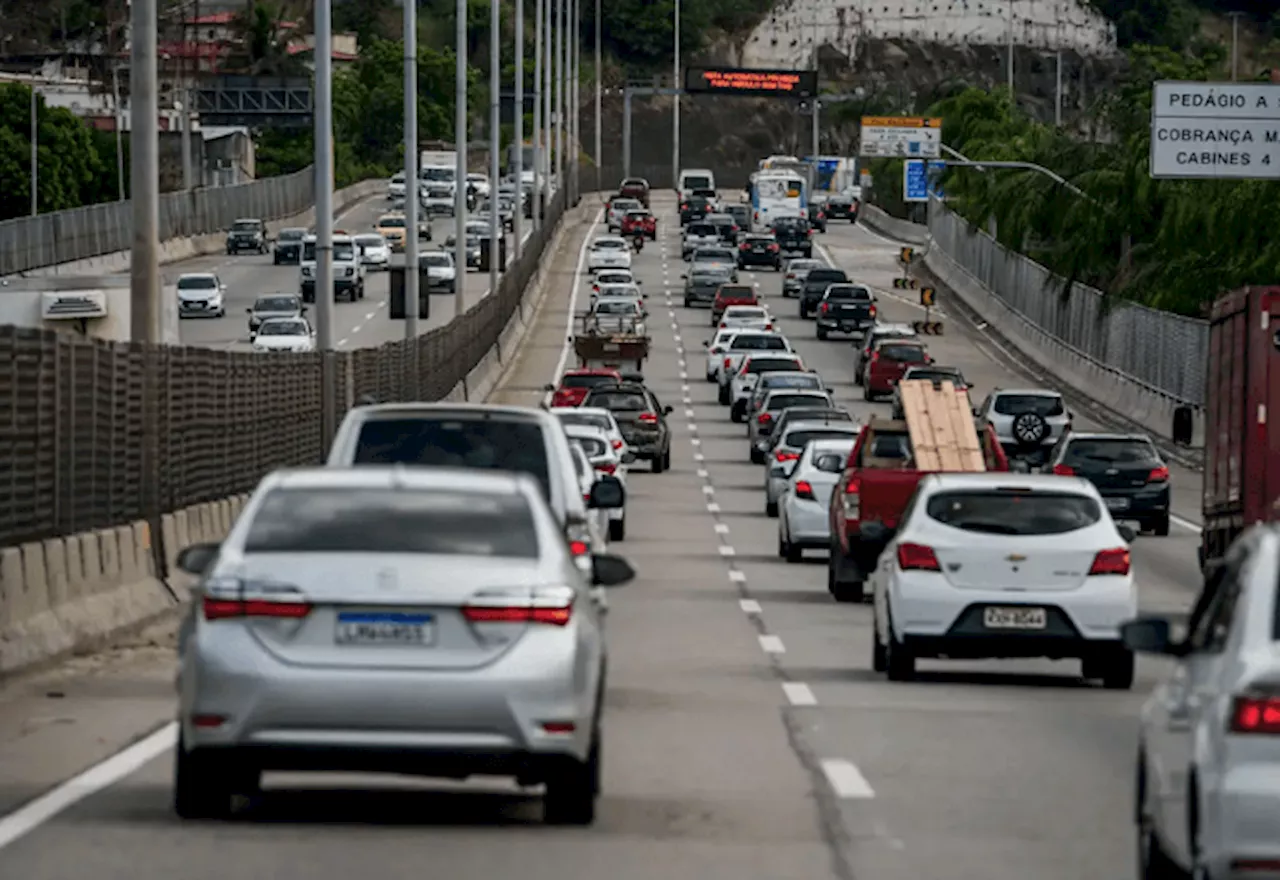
(889, 459)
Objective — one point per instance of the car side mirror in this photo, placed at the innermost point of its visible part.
(608, 570)
(607, 494)
(667, 410)
(685, 277)
(1149, 635)
(706, 343)
(1129, 533)
(976, 411)
(222, 287)
(628, 457)
(197, 558)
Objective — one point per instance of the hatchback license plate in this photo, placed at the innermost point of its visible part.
(1015, 618)
(384, 628)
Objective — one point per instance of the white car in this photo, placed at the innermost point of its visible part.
(598, 518)
(604, 459)
(200, 294)
(743, 383)
(1208, 793)
(1004, 565)
(618, 210)
(616, 291)
(436, 198)
(613, 276)
(716, 347)
(395, 186)
(746, 343)
(442, 274)
(746, 318)
(285, 334)
(803, 519)
(375, 252)
(790, 446)
(597, 417)
(609, 252)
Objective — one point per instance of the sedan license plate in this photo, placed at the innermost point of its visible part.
(1117, 503)
(384, 628)
(1015, 618)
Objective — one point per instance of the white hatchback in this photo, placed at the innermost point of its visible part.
(1005, 565)
(609, 252)
(746, 318)
(604, 459)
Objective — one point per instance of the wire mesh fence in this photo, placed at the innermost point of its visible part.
(74, 454)
(1161, 350)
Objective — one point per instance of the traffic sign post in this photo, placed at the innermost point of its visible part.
(920, 179)
(1215, 131)
(900, 137)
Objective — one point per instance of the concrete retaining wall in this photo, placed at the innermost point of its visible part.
(75, 594)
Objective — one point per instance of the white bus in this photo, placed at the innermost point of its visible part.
(776, 194)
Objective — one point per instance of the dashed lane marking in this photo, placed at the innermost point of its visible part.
(712, 507)
(799, 694)
(749, 606)
(726, 550)
(738, 577)
(772, 645)
(846, 780)
(722, 529)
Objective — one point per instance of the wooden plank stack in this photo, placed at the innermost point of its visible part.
(940, 423)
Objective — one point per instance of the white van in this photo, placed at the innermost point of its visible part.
(348, 272)
(695, 178)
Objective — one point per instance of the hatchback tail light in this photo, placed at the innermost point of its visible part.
(917, 557)
(773, 248)
(552, 606)
(727, 362)
(1114, 561)
(617, 444)
(579, 547)
(1064, 470)
(786, 456)
(649, 418)
(607, 468)
(1255, 713)
(1158, 475)
(764, 419)
(875, 356)
(744, 247)
(768, 326)
(219, 608)
(804, 490)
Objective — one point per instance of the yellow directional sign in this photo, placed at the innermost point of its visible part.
(904, 284)
(905, 255)
(902, 121)
(927, 298)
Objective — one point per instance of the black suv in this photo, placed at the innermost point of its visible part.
(247, 235)
(759, 249)
(641, 418)
(695, 208)
(1126, 469)
(815, 286)
(794, 235)
(843, 206)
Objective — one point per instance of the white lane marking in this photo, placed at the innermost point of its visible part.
(684, 374)
(722, 529)
(357, 328)
(573, 304)
(1185, 524)
(369, 316)
(799, 693)
(698, 456)
(748, 606)
(740, 578)
(702, 473)
(686, 400)
(726, 550)
(712, 507)
(342, 342)
(689, 413)
(772, 645)
(685, 387)
(708, 490)
(695, 441)
(102, 775)
(846, 780)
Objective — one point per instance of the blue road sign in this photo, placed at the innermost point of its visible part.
(920, 179)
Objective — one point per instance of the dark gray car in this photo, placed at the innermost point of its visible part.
(275, 305)
(640, 416)
(289, 246)
(247, 235)
(701, 284)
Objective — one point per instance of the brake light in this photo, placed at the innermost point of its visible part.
(735, 227)
(617, 444)
(554, 608)
(1114, 561)
(875, 356)
(1158, 475)
(744, 247)
(768, 326)
(826, 307)
(809, 232)
(579, 548)
(215, 608)
(1064, 470)
(917, 557)
(871, 311)
(727, 362)
(724, 324)
(649, 418)
(684, 206)
(1255, 714)
(607, 468)
(804, 490)
(773, 248)
(764, 419)
(786, 456)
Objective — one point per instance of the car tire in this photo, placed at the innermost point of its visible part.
(655, 465)
(757, 457)
(771, 509)
(618, 529)
(793, 553)
(899, 662)
(276, 260)
(203, 785)
(1118, 672)
(857, 377)
(723, 396)
(822, 333)
(1160, 526)
(1154, 861)
(782, 545)
(867, 393)
(666, 460)
(571, 794)
(879, 656)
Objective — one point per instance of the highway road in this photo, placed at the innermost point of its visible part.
(745, 735)
(363, 324)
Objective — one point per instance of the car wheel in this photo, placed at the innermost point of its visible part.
(794, 553)
(571, 793)
(899, 662)
(1161, 526)
(879, 656)
(771, 509)
(666, 460)
(723, 396)
(656, 465)
(203, 785)
(867, 393)
(1154, 862)
(688, 303)
(804, 313)
(822, 332)
(618, 529)
(757, 456)
(1118, 670)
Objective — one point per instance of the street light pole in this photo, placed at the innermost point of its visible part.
(35, 151)
(1235, 44)
(144, 142)
(115, 98)
(575, 93)
(495, 143)
(675, 103)
(535, 212)
(548, 120)
(460, 168)
(599, 85)
(517, 209)
(411, 175)
(324, 175)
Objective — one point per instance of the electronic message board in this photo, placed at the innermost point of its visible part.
(746, 81)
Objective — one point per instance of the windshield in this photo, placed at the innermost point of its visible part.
(761, 343)
(391, 223)
(697, 181)
(700, 229)
(910, 354)
(344, 251)
(610, 244)
(779, 402)
(801, 439)
(292, 234)
(588, 420)
(309, 252)
(848, 291)
(351, 520)
(481, 443)
(807, 380)
(246, 226)
(746, 313)
(952, 376)
(572, 381)
(1111, 451)
(619, 401)
(438, 173)
(616, 308)
(770, 365)
(438, 260)
(367, 241)
(1043, 405)
(198, 282)
(1013, 512)
(605, 278)
(284, 328)
(594, 447)
(276, 304)
(706, 254)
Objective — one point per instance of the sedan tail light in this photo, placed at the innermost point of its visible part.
(1111, 562)
(1064, 470)
(917, 557)
(804, 490)
(826, 307)
(1158, 475)
(744, 247)
(764, 419)
(773, 248)
(218, 608)
(1255, 713)
(727, 362)
(617, 444)
(552, 606)
(649, 418)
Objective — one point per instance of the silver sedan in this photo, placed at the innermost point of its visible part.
(385, 620)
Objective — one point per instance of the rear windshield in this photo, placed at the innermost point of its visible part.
(910, 354)
(801, 439)
(1111, 452)
(770, 365)
(587, 381)
(712, 253)
(590, 420)
(246, 226)
(697, 181)
(760, 343)
(786, 401)
(806, 381)
(830, 276)
(347, 520)
(817, 414)
(1014, 513)
(850, 292)
(292, 234)
(484, 444)
(728, 292)
(930, 375)
(618, 401)
(1043, 405)
(276, 304)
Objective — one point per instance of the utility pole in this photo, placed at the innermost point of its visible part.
(575, 93)
(1011, 92)
(115, 99)
(460, 146)
(1235, 44)
(192, 60)
(496, 232)
(411, 312)
(517, 208)
(144, 139)
(675, 103)
(1057, 95)
(35, 150)
(599, 103)
(324, 181)
(562, 81)
(548, 120)
(538, 149)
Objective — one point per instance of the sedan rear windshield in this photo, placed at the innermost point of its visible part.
(592, 446)
(1117, 451)
(1014, 513)
(588, 420)
(292, 234)
(198, 282)
(848, 291)
(801, 439)
(909, 354)
(276, 304)
(763, 342)
(1043, 405)
(618, 401)
(587, 381)
(246, 226)
(347, 520)
(785, 401)
(770, 365)
(494, 444)
(806, 381)
(832, 462)
(830, 276)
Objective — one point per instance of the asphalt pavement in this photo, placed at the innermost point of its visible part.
(745, 734)
(363, 324)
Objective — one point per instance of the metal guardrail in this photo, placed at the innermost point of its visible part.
(72, 411)
(94, 230)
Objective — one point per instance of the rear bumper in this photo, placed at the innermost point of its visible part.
(846, 325)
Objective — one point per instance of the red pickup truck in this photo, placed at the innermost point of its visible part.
(576, 384)
(868, 502)
(640, 222)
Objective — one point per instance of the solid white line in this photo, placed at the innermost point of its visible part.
(1185, 524)
(573, 303)
(739, 578)
(772, 645)
(102, 775)
(748, 606)
(846, 780)
(799, 693)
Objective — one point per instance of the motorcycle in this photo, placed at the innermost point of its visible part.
(637, 243)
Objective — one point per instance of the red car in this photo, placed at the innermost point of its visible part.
(575, 385)
(732, 295)
(890, 359)
(640, 222)
(635, 188)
